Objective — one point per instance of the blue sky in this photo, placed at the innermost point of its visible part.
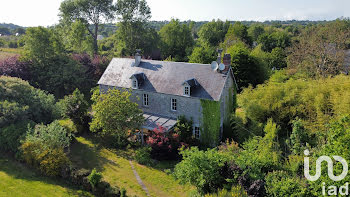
(44, 12)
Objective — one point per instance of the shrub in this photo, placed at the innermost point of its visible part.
(280, 183)
(50, 136)
(115, 114)
(184, 129)
(15, 68)
(143, 155)
(201, 169)
(94, 178)
(164, 144)
(20, 105)
(11, 135)
(74, 107)
(236, 191)
(49, 161)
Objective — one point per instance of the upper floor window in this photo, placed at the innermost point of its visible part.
(197, 132)
(145, 99)
(187, 91)
(173, 104)
(134, 83)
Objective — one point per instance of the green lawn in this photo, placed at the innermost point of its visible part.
(18, 180)
(116, 170)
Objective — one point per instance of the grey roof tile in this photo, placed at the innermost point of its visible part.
(166, 77)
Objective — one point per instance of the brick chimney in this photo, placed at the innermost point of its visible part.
(227, 62)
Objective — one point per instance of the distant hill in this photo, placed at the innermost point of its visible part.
(10, 26)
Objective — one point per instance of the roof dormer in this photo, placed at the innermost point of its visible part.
(189, 86)
(137, 80)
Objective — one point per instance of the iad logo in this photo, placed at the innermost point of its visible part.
(330, 167)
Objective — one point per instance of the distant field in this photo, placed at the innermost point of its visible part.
(7, 52)
(18, 180)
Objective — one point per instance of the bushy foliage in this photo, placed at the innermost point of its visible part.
(201, 169)
(320, 51)
(213, 33)
(43, 148)
(203, 54)
(269, 41)
(94, 177)
(335, 142)
(75, 107)
(260, 155)
(50, 136)
(93, 66)
(280, 183)
(51, 68)
(312, 101)
(164, 144)
(237, 33)
(184, 128)
(50, 161)
(13, 67)
(246, 68)
(235, 191)
(176, 40)
(20, 105)
(115, 114)
(143, 155)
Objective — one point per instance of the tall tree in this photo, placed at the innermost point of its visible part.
(133, 29)
(176, 40)
(213, 32)
(320, 50)
(237, 32)
(91, 12)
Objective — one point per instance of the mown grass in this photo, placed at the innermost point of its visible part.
(116, 169)
(18, 180)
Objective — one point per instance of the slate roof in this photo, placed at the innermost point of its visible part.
(165, 77)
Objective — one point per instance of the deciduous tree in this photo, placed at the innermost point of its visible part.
(91, 12)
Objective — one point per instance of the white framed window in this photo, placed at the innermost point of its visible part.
(197, 132)
(173, 104)
(187, 91)
(134, 83)
(145, 99)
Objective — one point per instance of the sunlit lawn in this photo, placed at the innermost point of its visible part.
(116, 170)
(18, 180)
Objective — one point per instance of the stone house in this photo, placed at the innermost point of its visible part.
(165, 90)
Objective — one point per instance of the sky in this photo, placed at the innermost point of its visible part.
(45, 12)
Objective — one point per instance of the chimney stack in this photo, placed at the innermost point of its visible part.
(218, 60)
(227, 62)
(137, 57)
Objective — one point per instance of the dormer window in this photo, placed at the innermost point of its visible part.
(187, 90)
(137, 80)
(189, 86)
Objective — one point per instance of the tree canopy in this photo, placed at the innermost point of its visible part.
(90, 12)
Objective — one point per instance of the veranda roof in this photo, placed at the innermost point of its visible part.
(153, 121)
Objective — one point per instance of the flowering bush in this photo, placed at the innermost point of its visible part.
(164, 144)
